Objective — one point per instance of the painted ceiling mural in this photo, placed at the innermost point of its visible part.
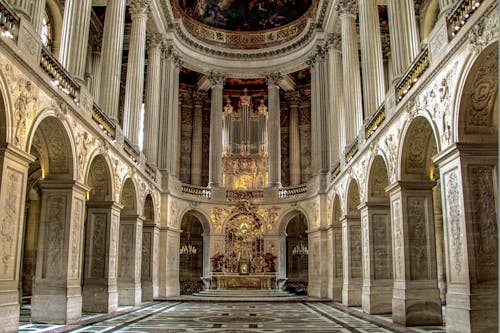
(245, 15)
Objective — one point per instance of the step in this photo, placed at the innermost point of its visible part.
(243, 293)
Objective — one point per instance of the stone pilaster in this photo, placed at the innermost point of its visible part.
(199, 98)
(168, 277)
(294, 137)
(134, 88)
(129, 260)
(149, 260)
(353, 106)
(318, 263)
(215, 164)
(403, 34)
(37, 15)
(152, 103)
(337, 280)
(273, 133)
(112, 46)
(416, 295)
(75, 35)
(100, 292)
(167, 80)
(57, 296)
(336, 102)
(371, 56)
(376, 242)
(14, 173)
(351, 250)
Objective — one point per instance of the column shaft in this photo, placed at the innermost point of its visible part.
(174, 119)
(336, 102)
(134, 88)
(371, 56)
(215, 163)
(75, 34)
(149, 261)
(23, 7)
(114, 25)
(294, 137)
(196, 145)
(273, 133)
(167, 76)
(37, 14)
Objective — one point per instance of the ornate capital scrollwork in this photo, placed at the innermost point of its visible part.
(139, 7)
(216, 78)
(482, 33)
(335, 40)
(293, 97)
(154, 41)
(199, 97)
(274, 78)
(347, 7)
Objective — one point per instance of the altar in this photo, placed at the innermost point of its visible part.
(261, 281)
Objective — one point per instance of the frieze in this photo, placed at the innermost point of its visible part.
(454, 217)
(9, 222)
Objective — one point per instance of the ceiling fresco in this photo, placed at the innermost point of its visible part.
(245, 15)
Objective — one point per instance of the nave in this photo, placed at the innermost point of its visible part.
(233, 317)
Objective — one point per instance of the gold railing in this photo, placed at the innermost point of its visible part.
(60, 77)
(292, 191)
(9, 21)
(351, 150)
(413, 74)
(130, 150)
(103, 121)
(196, 191)
(375, 121)
(150, 171)
(250, 195)
(460, 14)
(335, 171)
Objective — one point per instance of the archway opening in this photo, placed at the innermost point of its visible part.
(338, 269)
(150, 238)
(297, 255)
(191, 254)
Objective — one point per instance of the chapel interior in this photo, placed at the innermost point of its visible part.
(335, 160)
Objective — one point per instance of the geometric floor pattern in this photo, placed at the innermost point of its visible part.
(230, 317)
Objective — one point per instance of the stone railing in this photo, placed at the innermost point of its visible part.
(413, 73)
(196, 191)
(292, 191)
(130, 150)
(375, 121)
(250, 195)
(460, 14)
(351, 150)
(335, 171)
(59, 76)
(104, 123)
(9, 21)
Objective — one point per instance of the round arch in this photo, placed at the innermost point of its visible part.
(378, 179)
(98, 178)
(129, 198)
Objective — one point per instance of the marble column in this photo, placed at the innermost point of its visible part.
(57, 296)
(149, 260)
(134, 88)
(168, 276)
(75, 36)
(352, 261)
(403, 34)
(100, 292)
(336, 102)
(371, 56)
(114, 24)
(174, 118)
(199, 98)
(273, 132)
(376, 242)
(294, 137)
(416, 295)
(167, 80)
(318, 263)
(152, 103)
(215, 163)
(353, 106)
(14, 165)
(95, 70)
(337, 265)
(23, 7)
(37, 15)
(129, 260)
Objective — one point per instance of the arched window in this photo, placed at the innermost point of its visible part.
(47, 31)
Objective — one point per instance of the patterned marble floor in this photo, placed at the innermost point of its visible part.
(229, 317)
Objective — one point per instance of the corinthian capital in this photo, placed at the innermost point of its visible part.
(139, 7)
(335, 40)
(216, 78)
(154, 41)
(293, 98)
(347, 7)
(274, 78)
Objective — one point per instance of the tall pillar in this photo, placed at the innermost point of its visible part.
(174, 128)
(371, 56)
(337, 264)
(134, 88)
(129, 260)
(57, 296)
(376, 238)
(336, 102)
(403, 34)
(196, 147)
(100, 292)
(37, 14)
(273, 133)
(166, 97)
(353, 106)
(149, 260)
(13, 179)
(75, 36)
(294, 144)
(318, 263)
(416, 295)
(152, 103)
(351, 249)
(95, 70)
(23, 7)
(215, 163)
(114, 24)
(168, 277)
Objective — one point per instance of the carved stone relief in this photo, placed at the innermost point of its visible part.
(338, 253)
(454, 217)
(98, 243)
(9, 222)
(398, 240)
(416, 150)
(126, 251)
(382, 253)
(24, 106)
(75, 239)
(356, 264)
(113, 246)
(417, 234)
(483, 32)
(269, 215)
(54, 236)
(146, 256)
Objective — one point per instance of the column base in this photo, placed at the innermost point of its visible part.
(9, 311)
(129, 294)
(149, 291)
(98, 298)
(351, 293)
(376, 297)
(56, 309)
(416, 303)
